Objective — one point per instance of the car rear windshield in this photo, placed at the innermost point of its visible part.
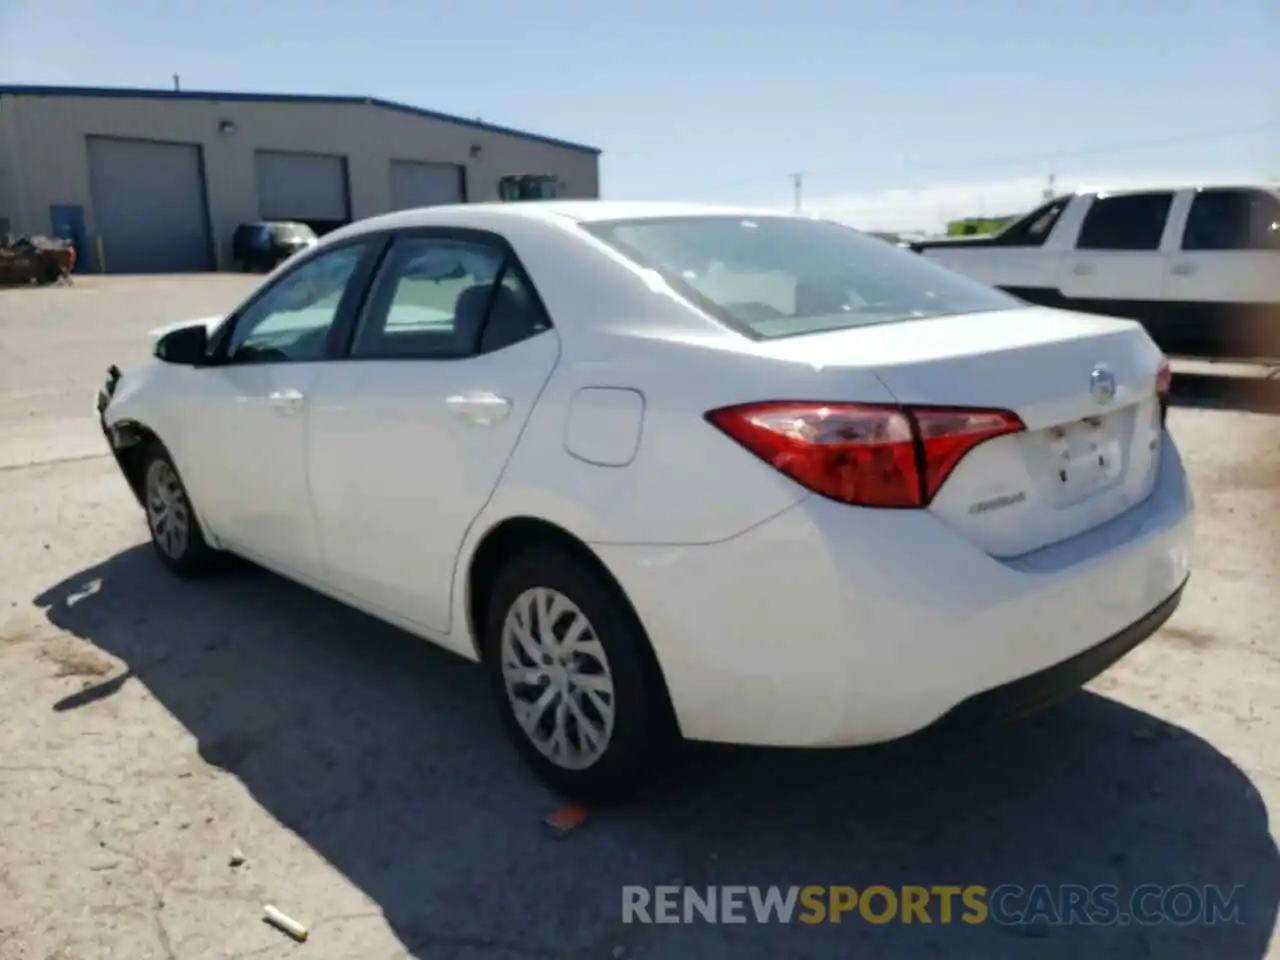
(771, 277)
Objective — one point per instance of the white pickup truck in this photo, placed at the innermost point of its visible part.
(1199, 267)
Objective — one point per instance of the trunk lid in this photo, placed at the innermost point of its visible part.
(1088, 454)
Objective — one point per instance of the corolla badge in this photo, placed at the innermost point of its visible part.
(1102, 384)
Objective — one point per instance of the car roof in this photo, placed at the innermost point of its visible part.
(544, 211)
(590, 211)
(1130, 188)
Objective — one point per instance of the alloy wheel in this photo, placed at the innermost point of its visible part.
(557, 678)
(168, 512)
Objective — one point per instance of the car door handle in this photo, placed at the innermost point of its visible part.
(1082, 269)
(1184, 269)
(481, 408)
(286, 400)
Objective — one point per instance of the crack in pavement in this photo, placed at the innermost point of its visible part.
(56, 771)
(32, 464)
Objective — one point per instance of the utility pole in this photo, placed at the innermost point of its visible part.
(797, 183)
(1051, 188)
(177, 82)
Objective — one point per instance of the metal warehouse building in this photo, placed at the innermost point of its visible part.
(158, 180)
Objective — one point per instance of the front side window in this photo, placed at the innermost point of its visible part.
(1126, 222)
(444, 298)
(290, 323)
(769, 277)
(1232, 220)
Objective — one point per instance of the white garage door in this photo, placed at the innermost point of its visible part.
(302, 186)
(149, 205)
(418, 184)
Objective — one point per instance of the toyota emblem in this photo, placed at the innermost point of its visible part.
(1102, 384)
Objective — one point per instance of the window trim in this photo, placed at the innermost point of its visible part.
(510, 262)
(353, 298)
(1127, 195)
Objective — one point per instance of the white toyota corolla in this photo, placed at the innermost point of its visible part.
(669, 470)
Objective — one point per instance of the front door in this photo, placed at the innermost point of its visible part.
(410, 434)
(249, 411)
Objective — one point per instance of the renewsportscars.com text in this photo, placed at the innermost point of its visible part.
(1007, 904)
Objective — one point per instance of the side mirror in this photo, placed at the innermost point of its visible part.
(187, 346)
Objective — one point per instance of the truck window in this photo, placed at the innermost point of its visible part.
(1032, 229)
(1133, 221)
(1233, 220)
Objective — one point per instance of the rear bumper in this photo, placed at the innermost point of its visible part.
(1031, 693)
(832, 626)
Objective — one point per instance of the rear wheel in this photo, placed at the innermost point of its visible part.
(570, 670)
(175, 531)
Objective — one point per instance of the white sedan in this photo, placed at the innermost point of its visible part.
(674, 471)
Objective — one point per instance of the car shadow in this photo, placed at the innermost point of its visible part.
(383, 753)
(1252, 394)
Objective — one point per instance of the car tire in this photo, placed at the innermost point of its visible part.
(632, 746)
(175, 531)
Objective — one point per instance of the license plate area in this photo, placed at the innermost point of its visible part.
(1084, 457)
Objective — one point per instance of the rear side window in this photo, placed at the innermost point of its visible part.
(1233, 220)
(1033, 229)
(1129, 222)
(440, 298)
(769, 277)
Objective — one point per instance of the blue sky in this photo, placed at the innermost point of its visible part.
(900, 114)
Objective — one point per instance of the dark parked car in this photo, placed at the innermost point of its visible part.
(261, 246)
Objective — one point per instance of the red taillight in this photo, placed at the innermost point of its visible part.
(1164, 378)
(868, 455)
(1164, 386)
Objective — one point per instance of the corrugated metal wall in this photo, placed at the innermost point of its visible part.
(44, 136)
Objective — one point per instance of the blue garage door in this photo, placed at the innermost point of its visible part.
(149, 205)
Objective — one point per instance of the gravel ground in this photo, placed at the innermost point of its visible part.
(151, 732)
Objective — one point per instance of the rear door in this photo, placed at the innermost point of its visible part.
(411, 432)
(1222, 282)
(1115, 265)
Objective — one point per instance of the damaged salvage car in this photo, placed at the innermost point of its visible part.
(675, 472)
(39, 260)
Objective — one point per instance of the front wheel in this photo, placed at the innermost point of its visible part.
(175, 531)
(577, 688)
